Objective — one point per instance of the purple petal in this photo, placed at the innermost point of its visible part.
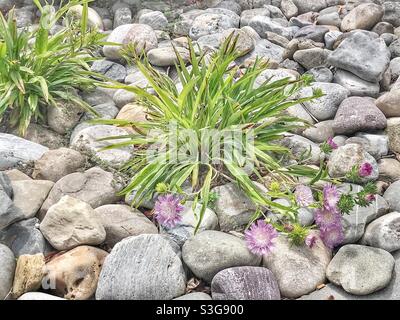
(311, 240)
(331, 197)
(365, 170)
(332, 236)
(304, 196)
(325, 217)
(332, 143)
(260, 237)
(167, 210)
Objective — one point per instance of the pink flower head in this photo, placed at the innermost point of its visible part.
(331, 143)
(260, 237)
(370, 197)
(304, 196)
(167, 210)
(311, 240)
(325, 217)
(331, 197)
(365, 170)
(332, 236)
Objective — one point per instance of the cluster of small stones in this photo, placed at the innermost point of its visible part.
(65, 234)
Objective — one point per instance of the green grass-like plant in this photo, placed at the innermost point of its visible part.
(38, 69)
(216, 97)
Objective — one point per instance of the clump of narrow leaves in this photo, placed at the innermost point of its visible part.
(217, 99)
(37, 69)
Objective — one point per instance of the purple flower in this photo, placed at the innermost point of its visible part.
(332, 236)
(331, 197)
(311, 240)
(331, 143)
(370, 197)
(325, 217)
(304, 196)
(260, 238)
(167, 210)
(365, 170)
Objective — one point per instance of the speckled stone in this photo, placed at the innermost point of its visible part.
(145, 267)
(245, 283)
(210, 251)
(361, 270)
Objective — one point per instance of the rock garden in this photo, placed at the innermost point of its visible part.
(200, 150)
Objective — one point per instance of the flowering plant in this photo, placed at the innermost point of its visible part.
(328, 211)
(37, 69)
(178, 156)
(218, 127)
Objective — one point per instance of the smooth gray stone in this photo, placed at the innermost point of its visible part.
(358, 114)
(96, 97)
(343, 159)
(94, 186)
(364, 54)
(314, 5)
(355, 222)
(325, 107)
(384, 232)
(356, 86)
(70, 223)
(361, 270)
(154, 19)
(264, 49)
(332, 292)
(25, 238)
(394, 48)
(122, 221)
(330, 38)
(392, 12)
(15, 150)
(230, 5)
(303, 148)
(145, 267)
(392, 196)
(388, 38)
(332, 19)
(7, 210)
(377, 145)
(231, 14)
(209, 23)
(9, 213)
(194, 296)
(298, 269)
(112, 70)
(106, 110)
(263, 24)
(29, 195)
(5, 185)
(250, 13)
(321, 74)
(88, 141)
(233, 208)
(245, 283)
(7, 263)
(311, 58)
(321, 131)
(209, 252)
(315, 33)
(122, 16)
(185, 229)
